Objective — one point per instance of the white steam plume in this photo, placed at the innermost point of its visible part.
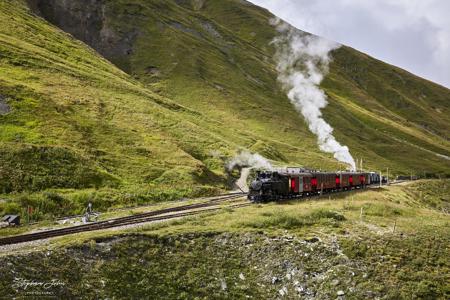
(247, 159)
(302, 63)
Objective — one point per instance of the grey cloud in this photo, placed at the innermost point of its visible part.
(411, 34)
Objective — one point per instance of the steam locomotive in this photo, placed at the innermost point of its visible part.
(296, 182)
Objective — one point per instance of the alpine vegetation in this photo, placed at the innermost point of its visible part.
(302, 62)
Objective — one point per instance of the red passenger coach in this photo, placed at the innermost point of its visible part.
(298, 182)
(307, 183)
(313, 184)
(362, 180)
(294, 184)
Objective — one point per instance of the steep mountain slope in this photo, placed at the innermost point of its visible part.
(75, 121)
(198, 82)
(216, 57)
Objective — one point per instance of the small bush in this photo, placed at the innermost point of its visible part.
(427, 290)
(10, 208)
(381, 210)
(327, 214)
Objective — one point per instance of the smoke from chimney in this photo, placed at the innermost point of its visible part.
(302, 63)
(247, 159)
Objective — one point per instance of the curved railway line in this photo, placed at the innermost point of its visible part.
(158, 215)
(211, 204)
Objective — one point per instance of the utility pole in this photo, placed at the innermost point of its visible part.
(381, 179)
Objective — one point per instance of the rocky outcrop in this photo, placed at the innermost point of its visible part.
(216, 266)
(88, 21)
(241, 265)
(4, 107)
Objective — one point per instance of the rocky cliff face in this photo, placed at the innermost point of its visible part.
(88, 21)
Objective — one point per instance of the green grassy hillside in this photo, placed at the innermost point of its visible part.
(77, 121)
(184, 85)
(215, 57)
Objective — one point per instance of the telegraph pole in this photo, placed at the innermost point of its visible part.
(380, 179)
(387, 176)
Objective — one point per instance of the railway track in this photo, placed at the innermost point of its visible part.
(211, 198)
(211, 204)
(158, 215)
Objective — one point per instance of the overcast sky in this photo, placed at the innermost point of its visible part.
(411, 34)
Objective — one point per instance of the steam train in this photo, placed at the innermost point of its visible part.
(296, 182)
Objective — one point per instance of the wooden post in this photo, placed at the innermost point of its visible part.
(387, 176)
(381, 179)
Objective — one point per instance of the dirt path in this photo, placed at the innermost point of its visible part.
(241, 183)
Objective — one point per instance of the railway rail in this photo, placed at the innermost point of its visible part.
(212, 204)
(158, 215)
